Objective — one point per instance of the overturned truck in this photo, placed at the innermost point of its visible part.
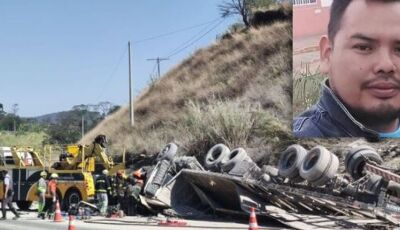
(305, 191)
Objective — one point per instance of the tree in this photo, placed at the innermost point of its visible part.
(2, 113)
(113, 109)
(233, 7)
(104, 107)
(14, 109)
(244, 8)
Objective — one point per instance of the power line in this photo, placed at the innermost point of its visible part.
(173, 32)
(192, 38)
(106, 83)
(183, 48)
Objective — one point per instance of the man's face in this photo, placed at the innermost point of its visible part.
(363, 61)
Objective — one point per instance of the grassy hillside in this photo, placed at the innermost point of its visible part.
(236, 91)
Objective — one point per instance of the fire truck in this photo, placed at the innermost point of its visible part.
(77, 167)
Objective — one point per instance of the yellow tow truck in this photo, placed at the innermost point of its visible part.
(76, 169)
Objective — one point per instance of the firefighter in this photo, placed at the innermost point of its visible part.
(8, 195)
(51, 196)
(119, 189)
(133, 191)
(41, 193)
(102, 190)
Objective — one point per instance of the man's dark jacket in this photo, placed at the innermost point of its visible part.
(330, 118)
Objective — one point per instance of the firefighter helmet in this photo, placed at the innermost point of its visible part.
(101, 140)
(54, 176)
(137, 174)
(105, 172)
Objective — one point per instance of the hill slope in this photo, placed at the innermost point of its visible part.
(236, 91)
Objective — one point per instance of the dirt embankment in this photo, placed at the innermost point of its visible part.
(237, 91)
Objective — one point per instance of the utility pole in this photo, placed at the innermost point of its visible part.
(83, 125)
(158, 60)
(130, 86)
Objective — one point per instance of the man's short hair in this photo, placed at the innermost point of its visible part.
(338, 8)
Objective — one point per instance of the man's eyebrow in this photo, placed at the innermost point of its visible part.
(363, 37)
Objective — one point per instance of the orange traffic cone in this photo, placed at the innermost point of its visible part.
(57, 216)
(71, 225)
(253, 220)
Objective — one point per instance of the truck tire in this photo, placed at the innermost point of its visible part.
(73, 196)
(161, 172)
(24, 205)
(290, 162)
(355, 150)
(356, 159)
(151, 190)
(214, 157)
(315, 163)
(168, 152)
(329, 173)
(235, 156)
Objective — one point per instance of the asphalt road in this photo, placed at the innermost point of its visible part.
(29, 221)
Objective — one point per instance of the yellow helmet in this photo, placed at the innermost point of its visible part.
(54, 176)
(43, 174)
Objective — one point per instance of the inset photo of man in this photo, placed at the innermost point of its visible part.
(346, 75)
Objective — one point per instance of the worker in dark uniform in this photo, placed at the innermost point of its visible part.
(135, 186)
(119, 186)
(103, 188)
(8, 195)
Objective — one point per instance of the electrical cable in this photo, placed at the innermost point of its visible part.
(112, 73)
(174, 32)
(175, 51)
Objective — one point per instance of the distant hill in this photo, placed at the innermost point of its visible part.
(54, 118)
(237, 91)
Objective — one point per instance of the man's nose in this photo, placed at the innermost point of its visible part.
(385, 62)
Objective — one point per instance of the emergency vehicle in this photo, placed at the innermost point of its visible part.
(76, 170)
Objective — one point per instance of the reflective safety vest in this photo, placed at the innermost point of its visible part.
(119, 186)
(41, 185)
(102, 184)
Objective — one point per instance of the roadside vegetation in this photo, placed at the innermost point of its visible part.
(306, 90)
(30, 139)
(58, 128)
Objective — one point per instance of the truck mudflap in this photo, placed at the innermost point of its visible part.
(298, 208)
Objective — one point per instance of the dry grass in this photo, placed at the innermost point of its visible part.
(236, 91)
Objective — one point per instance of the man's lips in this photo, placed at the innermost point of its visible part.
(383, 90)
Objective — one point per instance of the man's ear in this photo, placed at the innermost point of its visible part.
(325, 50)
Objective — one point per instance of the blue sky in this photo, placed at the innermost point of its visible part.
(55, 54)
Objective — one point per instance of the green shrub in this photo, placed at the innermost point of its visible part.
(230, 123)
(306, 90)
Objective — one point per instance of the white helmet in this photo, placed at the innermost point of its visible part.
(43, 174)
(54, 176)
(105, 172)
